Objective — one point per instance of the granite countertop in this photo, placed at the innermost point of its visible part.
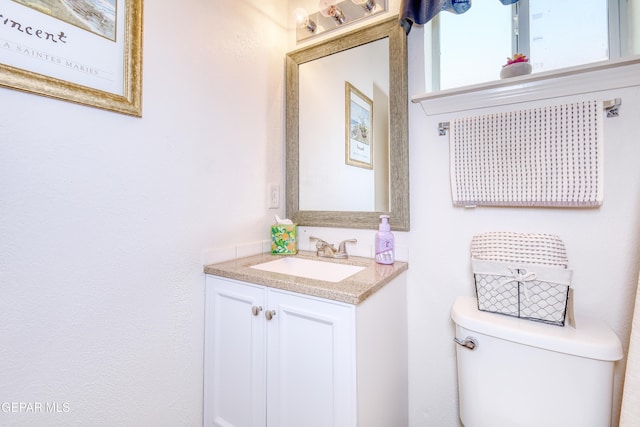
(352, 290)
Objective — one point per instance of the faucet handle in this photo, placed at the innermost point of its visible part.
(342, 248)
(320, 243)
(324, 249)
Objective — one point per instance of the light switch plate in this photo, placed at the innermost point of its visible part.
(273, 196)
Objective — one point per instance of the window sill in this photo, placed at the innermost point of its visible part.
(552, 84)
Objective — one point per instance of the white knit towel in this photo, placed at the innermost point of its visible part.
(546, 156)
(520, 248)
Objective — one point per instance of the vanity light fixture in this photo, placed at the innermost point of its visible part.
(367, 5)
(329, 8)
(333, 15)
(303, 20)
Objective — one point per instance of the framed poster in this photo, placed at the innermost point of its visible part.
(83, 51)
(358, 128)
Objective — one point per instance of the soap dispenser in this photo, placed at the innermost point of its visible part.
(384, 242)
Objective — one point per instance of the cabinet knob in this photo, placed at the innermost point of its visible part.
(256, 310)
(269, 314)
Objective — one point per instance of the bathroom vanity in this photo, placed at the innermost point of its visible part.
(288, 350)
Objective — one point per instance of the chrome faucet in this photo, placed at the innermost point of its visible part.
(327, 250)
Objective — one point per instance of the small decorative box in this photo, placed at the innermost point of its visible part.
(283, 239)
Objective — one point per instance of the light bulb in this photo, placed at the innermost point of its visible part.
(367, 5)
(303, 21)
(330, 9)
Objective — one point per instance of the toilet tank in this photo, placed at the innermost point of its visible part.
(529, 374)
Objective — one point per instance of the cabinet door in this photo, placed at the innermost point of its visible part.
(310, 362)
(234, 393)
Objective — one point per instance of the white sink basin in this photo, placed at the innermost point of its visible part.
(309, 268)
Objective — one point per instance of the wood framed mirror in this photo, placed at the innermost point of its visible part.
(323, 187)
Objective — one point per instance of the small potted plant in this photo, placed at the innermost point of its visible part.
(516, 66)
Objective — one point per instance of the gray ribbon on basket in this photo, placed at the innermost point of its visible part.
(520, 277)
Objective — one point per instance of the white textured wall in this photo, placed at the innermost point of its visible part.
(104, 219)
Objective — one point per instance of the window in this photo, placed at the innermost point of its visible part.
(564, 33)
(471, 48)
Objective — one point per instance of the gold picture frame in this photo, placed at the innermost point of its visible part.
(358, 128)
(46, 53)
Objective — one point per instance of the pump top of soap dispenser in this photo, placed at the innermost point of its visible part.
(384, 223)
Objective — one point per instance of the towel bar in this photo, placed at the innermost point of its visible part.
(611, 107)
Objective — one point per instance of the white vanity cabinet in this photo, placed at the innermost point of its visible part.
(283, 359)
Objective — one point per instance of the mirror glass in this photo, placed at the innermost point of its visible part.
(347, 145)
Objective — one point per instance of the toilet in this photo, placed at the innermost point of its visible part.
(518, 373)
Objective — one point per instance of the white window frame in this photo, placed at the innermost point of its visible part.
(618, 37)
